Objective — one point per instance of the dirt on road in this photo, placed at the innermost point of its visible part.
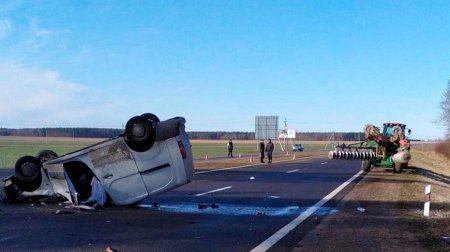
(393, 218)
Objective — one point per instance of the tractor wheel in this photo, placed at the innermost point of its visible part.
(398, 167)
(139, 134)
(404, 166)
(28, 173)
(365, 165)
(151, 117)
(46, 155)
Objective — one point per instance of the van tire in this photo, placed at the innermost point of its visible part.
(28, 173)
(46, 155)
(29, 186)
(151, 117)
(139, 134)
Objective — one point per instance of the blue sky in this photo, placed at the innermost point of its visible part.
(322, 65)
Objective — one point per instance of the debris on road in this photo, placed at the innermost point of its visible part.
(260, 213)
(361, 209)
(58, 212)
(202, 206)
(109, 249)
(205, 206)
(252, 178)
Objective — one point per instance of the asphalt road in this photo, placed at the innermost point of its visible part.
(228, 210)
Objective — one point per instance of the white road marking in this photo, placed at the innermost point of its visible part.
(267, 244)
(243, 166)
(213, 191)
(292, 171)
(274, 197)
(8, 238)
(324, 163)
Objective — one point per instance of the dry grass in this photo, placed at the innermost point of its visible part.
(430, 160)
(444, 148)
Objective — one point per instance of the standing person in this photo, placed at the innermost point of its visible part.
(261, 151)
(269, 150)
(230, 148)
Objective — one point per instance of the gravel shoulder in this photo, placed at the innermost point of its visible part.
(393, 219)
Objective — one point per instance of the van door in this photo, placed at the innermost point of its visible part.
(156, 168)
(116, 169)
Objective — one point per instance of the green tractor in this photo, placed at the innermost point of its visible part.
(389, 148)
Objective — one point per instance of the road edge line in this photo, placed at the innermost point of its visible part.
(269, 242)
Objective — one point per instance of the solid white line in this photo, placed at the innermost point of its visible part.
(243, 166)
(292, 171)
(213, 191)
(267, 244)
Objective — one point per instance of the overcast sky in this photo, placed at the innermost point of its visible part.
(322, 65)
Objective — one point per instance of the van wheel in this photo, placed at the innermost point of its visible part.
(151, 117)
(46, 155)
(139, 134)
(28, 173)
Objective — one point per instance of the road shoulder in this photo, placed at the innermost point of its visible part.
(393, 218)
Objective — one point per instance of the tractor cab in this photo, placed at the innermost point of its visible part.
(396, 130)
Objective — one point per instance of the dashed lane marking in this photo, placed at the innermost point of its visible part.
(213, 191)
(243, 166)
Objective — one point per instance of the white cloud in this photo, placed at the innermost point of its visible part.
(40, 39)
(5, 28)
(31, 96)
(39, 31)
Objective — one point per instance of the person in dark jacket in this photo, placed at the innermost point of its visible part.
(261, 150)
(230, 149)
(269, 150)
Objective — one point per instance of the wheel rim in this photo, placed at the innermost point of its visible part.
(138, 130)
(28, 169)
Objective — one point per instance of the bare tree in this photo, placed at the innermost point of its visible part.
(444, 118)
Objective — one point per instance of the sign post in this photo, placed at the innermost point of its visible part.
(426, 206)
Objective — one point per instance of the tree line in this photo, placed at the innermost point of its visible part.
(311, 136)
(62, 132)
(206, 135)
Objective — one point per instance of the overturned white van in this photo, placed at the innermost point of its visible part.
(151, 157)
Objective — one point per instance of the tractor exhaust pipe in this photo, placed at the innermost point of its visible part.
(352, 155)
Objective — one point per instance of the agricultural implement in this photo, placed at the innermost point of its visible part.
(389, 148)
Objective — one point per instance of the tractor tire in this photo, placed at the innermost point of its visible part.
(28, 173)
(365, 165)
(139, 134)
(151, 117)
(398, 167)
(404, 166)
(46, 155)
